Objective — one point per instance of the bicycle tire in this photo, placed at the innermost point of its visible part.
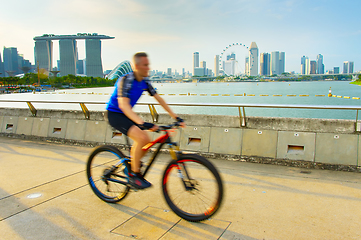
(207, 177)
(99, 161)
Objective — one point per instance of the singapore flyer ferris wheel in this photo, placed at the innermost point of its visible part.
(236, 59)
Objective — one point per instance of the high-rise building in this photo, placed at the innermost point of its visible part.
(11, 64)
(229, 67)
(68, 53)
(43, 54)
(195, 61)
(246, 67)
(203, 64)
(199, 71)
(319, 65)
(231, 56)
(2, 73)
(68, 56)
(313, 67)
(80, 67)
(253, 58)
(216, 65)
(303, 65)
(93, 58)
(183, 72)
(169, 72)
(347, 67)
(275, 62)
(282, 63)
(350, 67)
(264, 64)
(336, 70)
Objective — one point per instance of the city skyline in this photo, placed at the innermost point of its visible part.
(170, 32)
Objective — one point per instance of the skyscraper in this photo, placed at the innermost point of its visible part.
(231, 56)
(93, 58)
(313, 67)
(69, 53)
(319, 65)
(68, 56)
(275, 62)
(195, 61)
(350, 67)
(169, 72)
(246, 67)
(229, 67)
(336, 70)
(307, 65)
(216, 65)
(2, 73)
(80, 67)
(347, 67)
(43, 54)
(303, 65)
(11, 61)
(264, 64)
(282, 62)
(253, 58)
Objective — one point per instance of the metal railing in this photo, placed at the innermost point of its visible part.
(155, 115)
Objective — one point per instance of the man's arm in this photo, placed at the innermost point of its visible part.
(124, 105)
(165, 105)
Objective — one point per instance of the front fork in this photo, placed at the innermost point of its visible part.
(182, 170)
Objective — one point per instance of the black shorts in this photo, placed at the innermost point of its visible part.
(120, 122)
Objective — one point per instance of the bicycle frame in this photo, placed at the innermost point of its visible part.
(163, 139)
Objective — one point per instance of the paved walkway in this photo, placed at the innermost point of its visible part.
(261, 201)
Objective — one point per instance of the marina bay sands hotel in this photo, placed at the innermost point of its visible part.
(68, 52)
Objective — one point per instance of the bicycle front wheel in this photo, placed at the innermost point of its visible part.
(107, 180)
(192, 187)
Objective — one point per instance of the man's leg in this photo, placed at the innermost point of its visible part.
(140, 139)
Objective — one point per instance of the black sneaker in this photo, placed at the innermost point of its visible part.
(136, 180)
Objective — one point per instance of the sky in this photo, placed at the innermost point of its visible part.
(170, 31)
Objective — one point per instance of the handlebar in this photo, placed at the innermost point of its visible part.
(167, 127)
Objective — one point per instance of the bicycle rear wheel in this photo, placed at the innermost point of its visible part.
(192, 187)
(106, 180)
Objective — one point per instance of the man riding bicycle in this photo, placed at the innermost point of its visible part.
(128, 89)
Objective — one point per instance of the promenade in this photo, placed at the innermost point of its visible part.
(44, 195)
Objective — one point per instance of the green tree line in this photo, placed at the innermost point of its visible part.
(57, 82)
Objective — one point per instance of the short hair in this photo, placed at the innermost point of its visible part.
(137, 56)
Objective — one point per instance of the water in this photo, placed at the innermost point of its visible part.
(340, 88)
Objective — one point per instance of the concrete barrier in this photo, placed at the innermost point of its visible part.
(336, 148)
(226, 140)
(25, 125)
(40, 127)
(95, 131)
(313, 140)
(1, 123)
(114, 136)
(10, 124)
(57, 128)
(296, 145)
(195, 138)
(75, 129)
(262, 143)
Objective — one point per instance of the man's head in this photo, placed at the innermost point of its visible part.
(141, 64)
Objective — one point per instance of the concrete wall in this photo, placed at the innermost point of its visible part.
(313, 140)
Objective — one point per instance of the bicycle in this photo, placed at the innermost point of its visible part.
(184, 179)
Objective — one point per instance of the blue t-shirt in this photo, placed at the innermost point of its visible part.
(128, 86)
